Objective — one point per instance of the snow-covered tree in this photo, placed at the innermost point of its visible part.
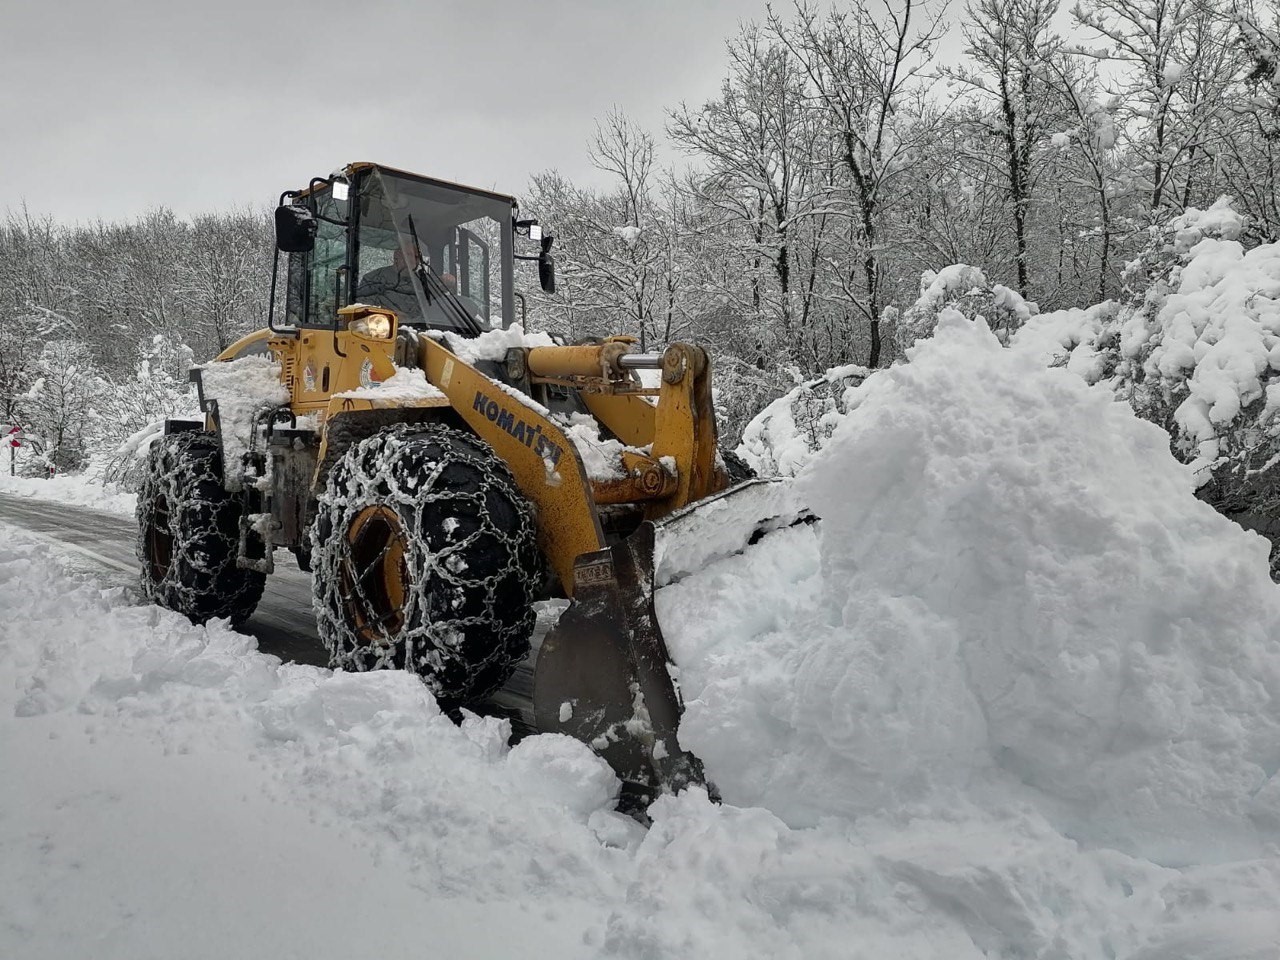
(160, 388)
(1170, 67)
(864, 65)
(1009, 42)
(1247, 143)
(59, 408)
(757, 140)
(1086, 156)
(965, 289)
(226, 270)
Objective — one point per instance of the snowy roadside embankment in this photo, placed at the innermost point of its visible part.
(1012, 593)
(171, 792)
(79, 489)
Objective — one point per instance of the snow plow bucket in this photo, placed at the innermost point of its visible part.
(604, 674)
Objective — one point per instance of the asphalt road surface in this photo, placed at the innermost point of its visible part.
(103, 543)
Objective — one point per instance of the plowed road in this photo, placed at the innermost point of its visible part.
(103, 543)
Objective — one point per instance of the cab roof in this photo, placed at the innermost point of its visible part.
(352, 169)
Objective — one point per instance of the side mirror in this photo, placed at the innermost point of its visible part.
(295, 229)
(547, 266)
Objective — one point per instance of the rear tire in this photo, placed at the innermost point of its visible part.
(426, 559)
(189, 532)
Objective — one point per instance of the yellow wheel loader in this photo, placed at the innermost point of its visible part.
(439, 471)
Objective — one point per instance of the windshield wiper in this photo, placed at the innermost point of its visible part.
(436, 289)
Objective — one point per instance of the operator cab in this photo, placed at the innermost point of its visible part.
(440, 255)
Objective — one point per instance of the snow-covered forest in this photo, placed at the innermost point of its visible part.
(843, 159)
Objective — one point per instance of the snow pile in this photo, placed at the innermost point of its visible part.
(965, 289)
(406, 385)
(493, 344)
(785, 435)
(244, 389)
(1012, 594)
(1013, 696)
(958, 884)
(340, 815)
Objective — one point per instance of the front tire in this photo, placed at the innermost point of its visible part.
(426, 559)
(189, 532)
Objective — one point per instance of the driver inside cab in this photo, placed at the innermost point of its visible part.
(392, 286)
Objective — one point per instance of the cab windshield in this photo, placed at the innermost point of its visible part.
(464, 238)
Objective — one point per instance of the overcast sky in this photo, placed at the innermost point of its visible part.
(111, 108)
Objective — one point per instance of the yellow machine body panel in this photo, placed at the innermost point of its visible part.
(330, 371)
(669, 464)
(244, 345)
(629, 416)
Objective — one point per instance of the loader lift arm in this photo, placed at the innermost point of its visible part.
(604, 673)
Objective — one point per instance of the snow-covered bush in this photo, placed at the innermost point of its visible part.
(1194, 348)
(965, 289)
(786, 434)
(159, 389)
(1082, 339)
(740, 389)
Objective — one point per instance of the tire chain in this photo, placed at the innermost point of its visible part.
(466, 613)
(202, 580)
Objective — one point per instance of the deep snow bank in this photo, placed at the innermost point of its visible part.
(1012, 593)
(82, 489)
(170, 792)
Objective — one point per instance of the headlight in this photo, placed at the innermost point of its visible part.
(375, 325)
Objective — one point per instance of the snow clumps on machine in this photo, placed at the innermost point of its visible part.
(244, 389)
(492, 345)
(406, 385)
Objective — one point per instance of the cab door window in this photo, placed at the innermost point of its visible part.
(318, 280)
(328, 264)
(473, 267)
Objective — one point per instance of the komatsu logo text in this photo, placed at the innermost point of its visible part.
(528, 434)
